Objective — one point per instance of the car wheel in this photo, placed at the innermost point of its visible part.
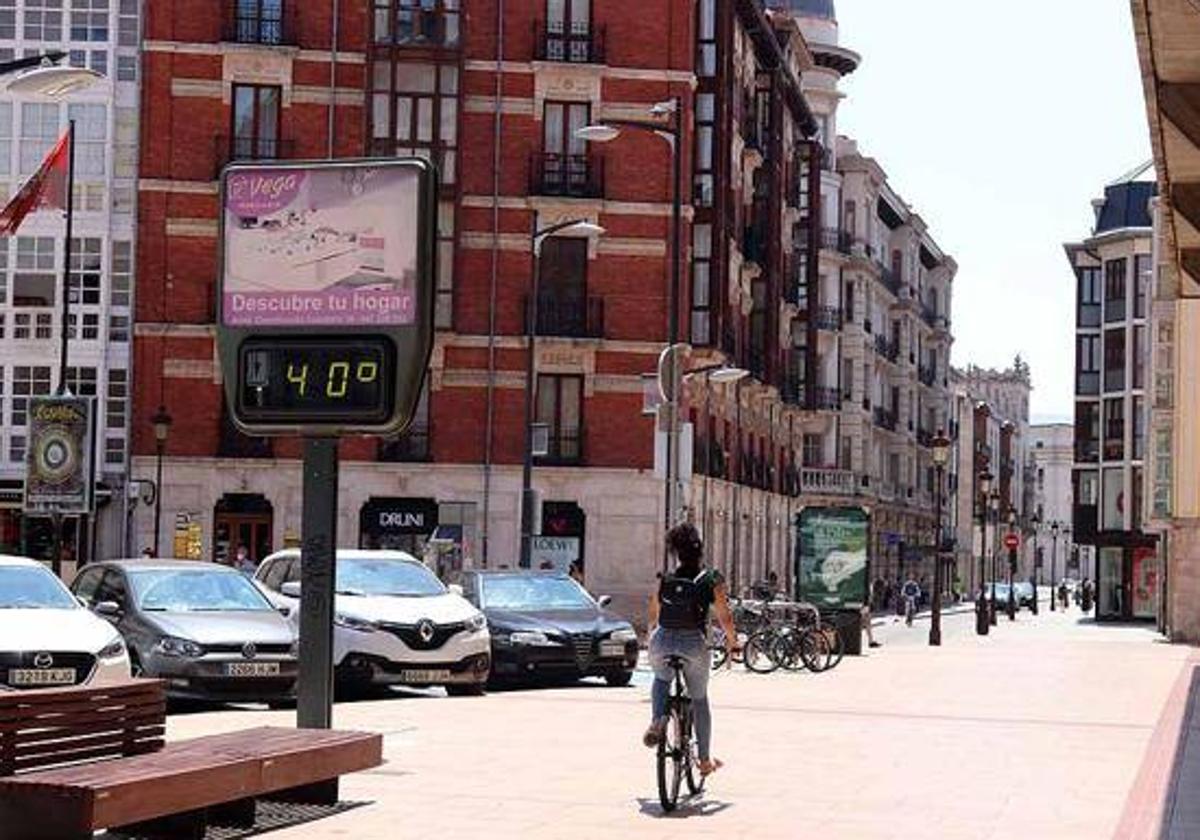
(466, 690)
(619, 678)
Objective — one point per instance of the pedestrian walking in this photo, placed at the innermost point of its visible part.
(866, 626)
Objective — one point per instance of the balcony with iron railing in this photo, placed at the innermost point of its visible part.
(228, 149)
(564, 448)
(828, 482)
(890, 280)
(887, 348)
(827, 318)
(270, 23)
(566, 176)
(833, 239)
(885, 419)
(570, 316)
(568, 43)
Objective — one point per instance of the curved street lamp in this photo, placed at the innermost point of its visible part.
(162, 428)
(537, 237)
(981, 607)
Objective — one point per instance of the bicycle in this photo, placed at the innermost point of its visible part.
(676, 759)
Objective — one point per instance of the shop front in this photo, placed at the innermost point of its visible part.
(397, 523)
(1127, 578)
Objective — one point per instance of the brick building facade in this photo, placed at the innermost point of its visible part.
(494, 93)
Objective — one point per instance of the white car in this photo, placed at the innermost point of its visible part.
(47, 638)
(394, 622)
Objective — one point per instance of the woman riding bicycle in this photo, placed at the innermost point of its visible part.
(679, 628)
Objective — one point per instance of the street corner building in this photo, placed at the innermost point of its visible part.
(1168, 44)
(799, 265)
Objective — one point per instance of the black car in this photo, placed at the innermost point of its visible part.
(546, 627)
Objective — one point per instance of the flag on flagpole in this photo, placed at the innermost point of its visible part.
(45, 188)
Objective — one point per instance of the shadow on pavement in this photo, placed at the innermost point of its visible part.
(1181, 811)
(695, 806)
(269, 816)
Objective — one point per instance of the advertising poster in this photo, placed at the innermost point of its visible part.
(58, 459)
(831, 556)
(321, 246)
(553, 553)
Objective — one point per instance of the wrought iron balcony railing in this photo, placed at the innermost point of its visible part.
(566, 176)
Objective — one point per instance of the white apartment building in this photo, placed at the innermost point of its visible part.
(102, 35)
(1051, 457)
(1113, 268)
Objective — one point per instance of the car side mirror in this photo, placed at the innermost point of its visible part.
(291, 589)
(456, 589)
(604, 601)
(284, 611)
(108, 609)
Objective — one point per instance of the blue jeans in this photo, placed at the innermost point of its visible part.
(691, 646)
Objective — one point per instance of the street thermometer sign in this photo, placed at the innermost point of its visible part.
(324, 328)
(325, 311)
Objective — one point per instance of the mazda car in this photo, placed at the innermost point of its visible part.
(204, 628)
(46, 637)
(546, 627)
(395, 623)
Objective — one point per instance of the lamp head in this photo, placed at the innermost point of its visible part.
(162, 424)
(728, 374)
(53, 81)
(598, 133)
(941, 448)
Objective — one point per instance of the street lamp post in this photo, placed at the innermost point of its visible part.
(1036, 522)
(994, 515)
(537, 237)
(1012, 567)
(941, 454)
(981, 607)
(162, 428)
(720, 374)
(672, 133)
(1053, 560)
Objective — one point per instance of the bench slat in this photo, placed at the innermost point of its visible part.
(71, 695)
(64, 731)
(79, 710)
(115, 741)
(200, 772)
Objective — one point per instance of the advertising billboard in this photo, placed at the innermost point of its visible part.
(58, 457)
(332, 246)
(831, 556)
(325, 321)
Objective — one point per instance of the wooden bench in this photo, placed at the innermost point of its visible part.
(75, 760)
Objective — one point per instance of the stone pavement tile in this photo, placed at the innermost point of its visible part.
(1013, 736)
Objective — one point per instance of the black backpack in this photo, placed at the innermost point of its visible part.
(683, 602)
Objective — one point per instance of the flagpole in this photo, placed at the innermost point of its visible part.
(66, 296)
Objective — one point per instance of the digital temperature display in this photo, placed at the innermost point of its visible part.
(312, 379)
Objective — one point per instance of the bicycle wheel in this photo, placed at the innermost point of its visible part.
(837, 648)
(814, 650)
(757, 652)
(671, 757)
(719, 655)
(786, 651)
(695, 782)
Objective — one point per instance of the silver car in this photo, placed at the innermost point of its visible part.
(204, 628)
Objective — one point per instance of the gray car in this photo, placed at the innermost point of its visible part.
(204, 628)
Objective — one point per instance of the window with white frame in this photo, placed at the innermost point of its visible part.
(116, 406)
(91, 135)
(43, 20)
(89, 20)
(86, 262)
(6, 135)
(118, 328)
(125, 138)
(8, 20)
(3, 270)
(37, 326)
(127, 68)
(34, 278)
(28, 381)
(127, 23)
(39, 132)
(96, 60)
(120, 272)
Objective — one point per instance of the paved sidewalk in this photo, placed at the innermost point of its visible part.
(1037, 732)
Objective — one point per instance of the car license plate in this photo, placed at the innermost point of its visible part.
(252, 669)
(425, 676)
(41, 676)
(612, 648)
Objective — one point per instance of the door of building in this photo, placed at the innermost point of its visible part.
(242, 519)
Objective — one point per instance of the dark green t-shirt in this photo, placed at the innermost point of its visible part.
(684, 600)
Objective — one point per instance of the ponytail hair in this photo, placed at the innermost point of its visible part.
(684, 542)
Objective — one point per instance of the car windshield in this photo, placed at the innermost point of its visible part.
(32, 588)
(534, 592)
(196, 590)
(378, 576)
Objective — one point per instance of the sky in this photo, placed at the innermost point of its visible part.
(999, 123)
